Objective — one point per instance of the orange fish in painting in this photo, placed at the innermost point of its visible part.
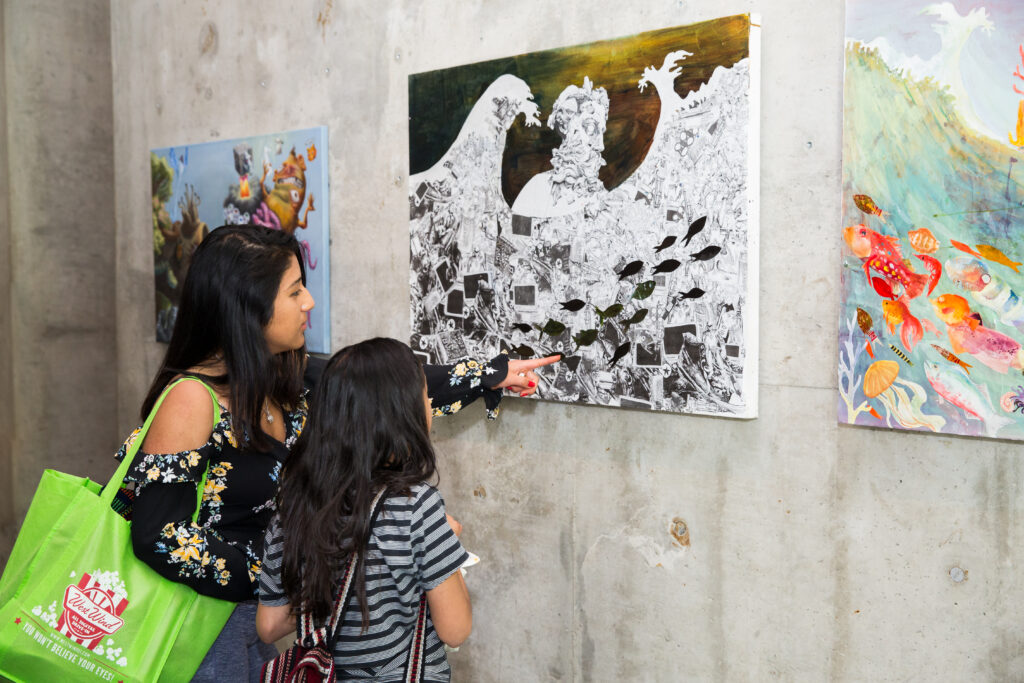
(990, 253)
(953, 358)
(923, 241)
(967, 335)
(952, 309)
(896, 313)
(868, 206)
(964, 247)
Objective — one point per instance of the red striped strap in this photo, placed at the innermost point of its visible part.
(319, 636)
(414, 668)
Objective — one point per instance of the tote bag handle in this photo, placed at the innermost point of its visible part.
(110, 490)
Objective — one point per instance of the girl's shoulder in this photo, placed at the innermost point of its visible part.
(417, 494)
(421, 501)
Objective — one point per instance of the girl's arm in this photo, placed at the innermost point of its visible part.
(439, 557)
(274, 618)
(450, 610)
(274, 622)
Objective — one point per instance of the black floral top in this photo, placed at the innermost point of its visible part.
(220, 554)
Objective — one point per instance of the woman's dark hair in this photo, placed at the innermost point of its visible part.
(366, 430)
(226, 302)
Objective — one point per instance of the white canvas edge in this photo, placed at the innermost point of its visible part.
(325, 189)
(752, 313)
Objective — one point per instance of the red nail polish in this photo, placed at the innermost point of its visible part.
(532, 384)
(522, 394)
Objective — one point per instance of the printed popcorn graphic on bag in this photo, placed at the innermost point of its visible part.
(92, 608)
(47, 615)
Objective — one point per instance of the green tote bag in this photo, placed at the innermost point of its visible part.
(77, 605)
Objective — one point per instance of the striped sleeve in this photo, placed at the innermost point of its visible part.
(271, 591)
(436, 550)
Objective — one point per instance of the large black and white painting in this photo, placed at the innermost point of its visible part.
(598, 201)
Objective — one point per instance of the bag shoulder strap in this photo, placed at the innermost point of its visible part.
(328, 633)
(110, 490)
(201, 485)
(318, 636)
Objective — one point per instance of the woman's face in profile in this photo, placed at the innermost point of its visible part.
(287, 326)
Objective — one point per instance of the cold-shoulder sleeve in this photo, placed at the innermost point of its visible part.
(164, 535)
(452, 387)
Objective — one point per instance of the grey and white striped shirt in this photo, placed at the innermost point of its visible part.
(412, 549)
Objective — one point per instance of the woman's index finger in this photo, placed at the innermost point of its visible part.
(541, 362)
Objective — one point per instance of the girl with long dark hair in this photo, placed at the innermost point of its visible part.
(368, 430)
(240, 330)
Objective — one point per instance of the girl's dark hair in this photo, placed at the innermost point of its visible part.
(366, 430)
(226, 302)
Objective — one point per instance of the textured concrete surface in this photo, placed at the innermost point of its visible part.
(59, 300)
(7, 517)
(616, 545)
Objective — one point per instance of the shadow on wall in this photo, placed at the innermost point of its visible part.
(8, 531)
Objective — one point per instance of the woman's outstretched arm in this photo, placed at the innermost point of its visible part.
(452, 387)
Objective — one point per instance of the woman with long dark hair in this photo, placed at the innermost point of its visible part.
(240, 330)
(368, 431)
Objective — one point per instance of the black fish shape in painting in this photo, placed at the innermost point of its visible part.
(522, 327)
(694, 293)
(666, 266)
(636, 318)
(665, 243)
(609, 312)
(553, 328)
(585, 338)
(524, 351)
(573, 305)
(695, 227)
(706, 254)
(620, 352)
(631, 268)
(644, 289)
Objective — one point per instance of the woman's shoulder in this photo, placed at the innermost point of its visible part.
(184, 420)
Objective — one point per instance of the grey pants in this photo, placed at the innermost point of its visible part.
(238, 654)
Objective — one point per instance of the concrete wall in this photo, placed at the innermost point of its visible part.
(57, 342)
(6, 379)
(812, 552)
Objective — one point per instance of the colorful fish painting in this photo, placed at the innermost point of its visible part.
(931, 232)
(868, 206)
(881, 254)
(923, 241)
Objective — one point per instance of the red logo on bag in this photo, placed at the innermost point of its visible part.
(90, 612)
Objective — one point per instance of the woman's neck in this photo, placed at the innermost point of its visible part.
(214, 366)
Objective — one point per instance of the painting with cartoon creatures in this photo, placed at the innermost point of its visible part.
(277, 180)
(597, 201)
(931, 320)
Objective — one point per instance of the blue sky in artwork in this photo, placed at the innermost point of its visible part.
(970, 46)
